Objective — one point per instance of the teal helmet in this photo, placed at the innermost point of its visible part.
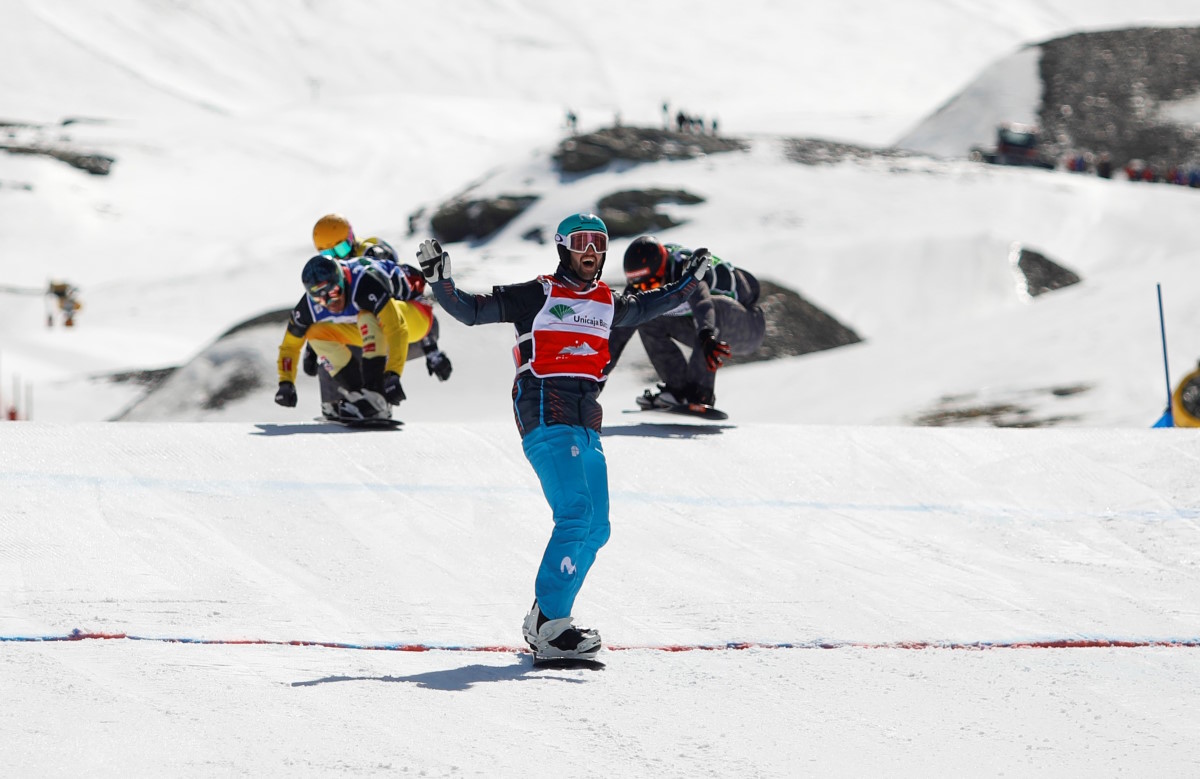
(577, 222)
(588, 228)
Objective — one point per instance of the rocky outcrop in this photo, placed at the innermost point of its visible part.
(1023, 408)
(1103, 92)
(27, 138)
(96, 164)
(238, 365)
(795, 326)
(634, 212)
(462, 220)
(813, 151)
(594, 151)
(1041, 274)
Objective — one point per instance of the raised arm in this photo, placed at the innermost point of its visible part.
(465, 307)
(632, 310)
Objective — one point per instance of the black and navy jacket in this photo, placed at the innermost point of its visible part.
(722, 278)
(547, 399)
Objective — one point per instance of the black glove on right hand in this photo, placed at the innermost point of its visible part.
(697, 264)
(392, 391)
(435, 263)
(286, 394)
(438, 364)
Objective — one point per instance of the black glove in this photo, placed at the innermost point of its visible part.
(286, 394)
(309, 363)
(438, 364)
(697, 264)
(715, 351)
(392, 389)
(435, 263)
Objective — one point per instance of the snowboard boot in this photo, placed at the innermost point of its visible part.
(363, 406)
(666, 397)
(704, 396)
(558, 637)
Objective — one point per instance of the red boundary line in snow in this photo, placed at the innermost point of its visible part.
(1056, 643)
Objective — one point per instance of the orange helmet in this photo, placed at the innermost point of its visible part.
(330, 230)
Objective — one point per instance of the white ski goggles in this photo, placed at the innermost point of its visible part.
(581, 240)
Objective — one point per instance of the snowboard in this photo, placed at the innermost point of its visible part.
(364, 424)
(567, 663)
(699, 410)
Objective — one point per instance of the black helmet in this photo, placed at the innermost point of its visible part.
(320, 275)
(645, 263)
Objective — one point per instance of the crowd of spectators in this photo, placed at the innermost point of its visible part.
(687, 123)
(1183, 175)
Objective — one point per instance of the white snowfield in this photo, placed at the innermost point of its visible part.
(870, 570)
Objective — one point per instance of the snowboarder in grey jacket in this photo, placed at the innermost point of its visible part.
(721, 318)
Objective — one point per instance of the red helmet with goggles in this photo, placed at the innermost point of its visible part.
(646, 263)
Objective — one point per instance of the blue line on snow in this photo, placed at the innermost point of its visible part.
(231, 487)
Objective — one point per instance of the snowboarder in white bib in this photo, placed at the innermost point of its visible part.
(346, 302)
(562, 321)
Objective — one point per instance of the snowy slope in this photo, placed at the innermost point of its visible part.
(913, 255)
(234, 128)
(868, 564)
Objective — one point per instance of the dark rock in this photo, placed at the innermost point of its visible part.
(461, 220)
(1102, 90)
(622, 224)
(1069, 390)
(795, 326)
(151, 379)
(1010, 408)
(1042, 274)
(634, 212)
(638, 198)
(242, 381)
(585, 153)
(96, 164)
(813, 151)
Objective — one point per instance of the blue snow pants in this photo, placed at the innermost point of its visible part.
(569, 461)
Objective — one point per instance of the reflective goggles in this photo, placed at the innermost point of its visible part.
(323, 293)
(339, 250)
(580, 241)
